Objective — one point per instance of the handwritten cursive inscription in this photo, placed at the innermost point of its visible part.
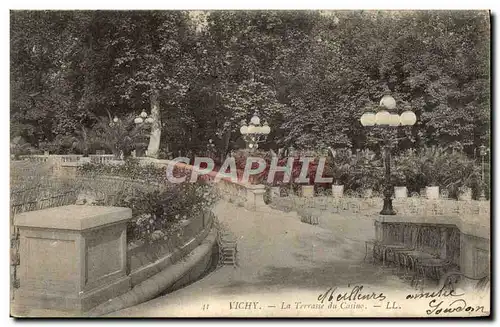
(355, 294)
(458, 305)
(441, 293)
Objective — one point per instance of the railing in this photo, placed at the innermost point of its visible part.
(32, 198)
(96, 158)
(69, 158)
(404, 207)
(35, 157)
(65, 198)
(235, 191)
(101, 158)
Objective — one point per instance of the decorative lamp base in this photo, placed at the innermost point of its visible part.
(387, 209)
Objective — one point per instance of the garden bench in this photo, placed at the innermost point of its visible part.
(453, 280)
(430, 268)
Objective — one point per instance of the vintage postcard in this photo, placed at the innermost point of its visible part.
(250, 163)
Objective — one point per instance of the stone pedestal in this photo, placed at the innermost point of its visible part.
(72, 258)
(255, 196)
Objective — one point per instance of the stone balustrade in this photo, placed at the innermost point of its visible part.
(101, 158)
(249, 195)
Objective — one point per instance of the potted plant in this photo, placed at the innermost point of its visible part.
(275, 188)
(339, 167)
(307, 191)
(405, 173)
(18, 147)
(400, 191)
(367, 168)
(433, 170)
(275, 191)
(82, 142)
(277, 185)
(120, 136)
(464, 175)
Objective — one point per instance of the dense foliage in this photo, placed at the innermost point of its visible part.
(129, 169)
(310, 74)
(159, 213)
(452, 171)
(158, 207)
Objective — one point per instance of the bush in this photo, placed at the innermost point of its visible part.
(406, 171)
(158, 213)
(158, 207)
(340, 166)
(130, 169)
(433, 166)
(367, 172)
(19, 147)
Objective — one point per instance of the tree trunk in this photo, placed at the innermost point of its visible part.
(154, 140)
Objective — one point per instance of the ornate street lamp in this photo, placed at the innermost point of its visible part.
(385, 118)
(482, 153)
(143, 118)
(143, 121)
(254, 133)
(210, 148)
(113, 122)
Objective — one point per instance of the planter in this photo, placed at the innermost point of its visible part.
(432, 192)
(275, 191)
(367, 193)
(337, 191)
(308, 191)
(400, 192)
(465, 194)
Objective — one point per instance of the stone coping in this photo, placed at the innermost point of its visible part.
(73, 217)
(167, 162)
(472, 225)
(71, 164)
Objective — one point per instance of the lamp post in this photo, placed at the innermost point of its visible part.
(141, 120)
(210, 148)
(482, 153)
(386, 119)
(254, 132)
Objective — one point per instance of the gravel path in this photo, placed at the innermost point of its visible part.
(279, 258)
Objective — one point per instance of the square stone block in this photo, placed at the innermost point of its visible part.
(72, 257)
(308, 191)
